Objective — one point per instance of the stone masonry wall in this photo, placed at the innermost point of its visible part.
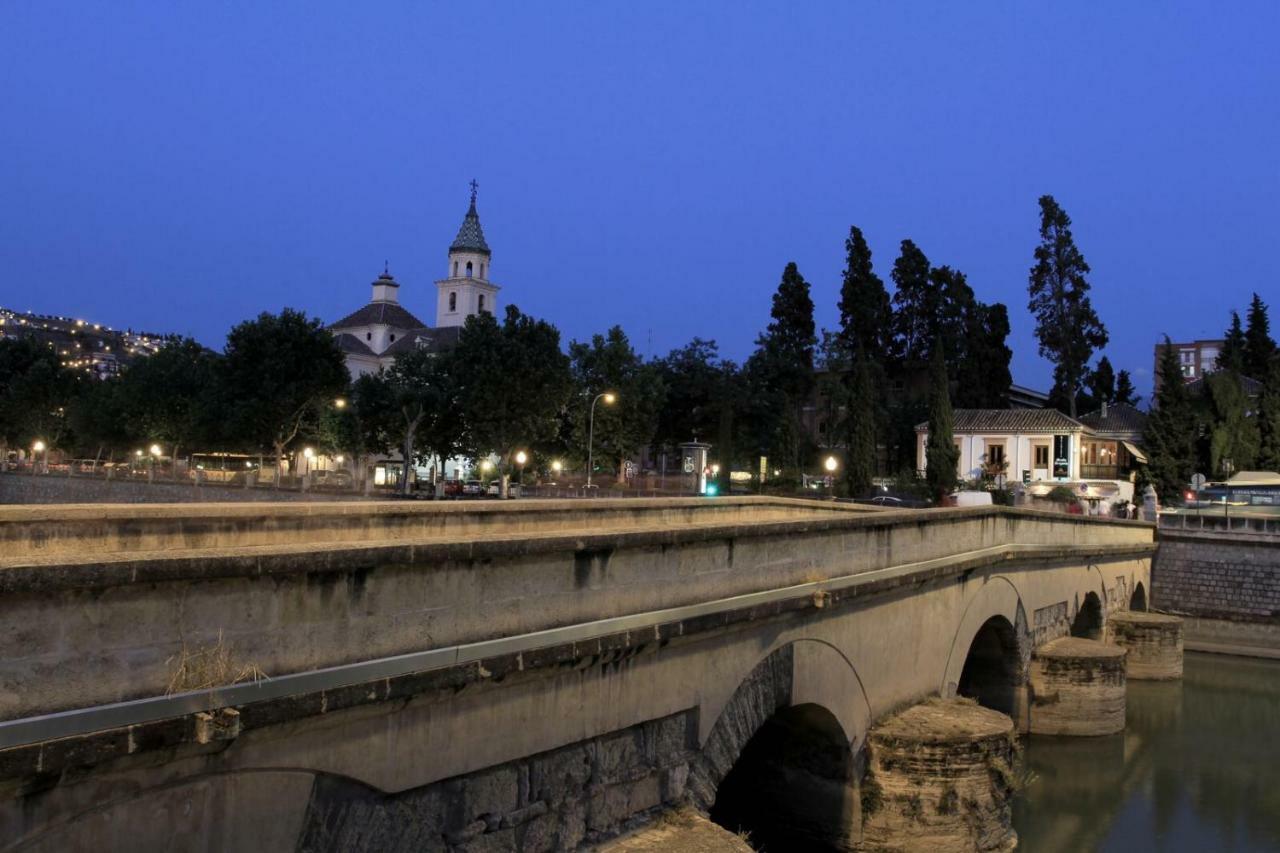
(1218, 576)
(559, 800)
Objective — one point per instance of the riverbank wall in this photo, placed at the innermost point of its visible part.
(1226, 585)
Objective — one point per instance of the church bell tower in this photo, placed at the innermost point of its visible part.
(467, 289)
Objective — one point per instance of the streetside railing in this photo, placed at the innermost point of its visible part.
(1240, 522)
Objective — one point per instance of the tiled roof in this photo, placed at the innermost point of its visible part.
(1010, 420)
(352, 345)
(1121, 418)
(470, 236)
(432, 340)
(380, 314)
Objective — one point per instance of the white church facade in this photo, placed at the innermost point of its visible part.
(371, 337)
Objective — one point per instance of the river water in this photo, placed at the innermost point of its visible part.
(1196, 769)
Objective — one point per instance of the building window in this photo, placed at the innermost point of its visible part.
(1041, 452)
(481, 303)
(995, 454)
(468, 269)
(453, 301)
(455, 269)
(368, 336)
(393, 337)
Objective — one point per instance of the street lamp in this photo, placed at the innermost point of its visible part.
(831, 464)
(521, 458)
(38, 447)
(556, 467)
(340, 403)
(156, 451)
(608, 397)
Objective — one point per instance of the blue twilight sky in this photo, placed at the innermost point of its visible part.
(183, 166)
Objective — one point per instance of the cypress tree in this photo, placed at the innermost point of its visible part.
(1259, 348)
(1066, 324)
(1102, 382)
(1171, 431)
(860, 428)
(983, 374)
(866, 314)
(941, 454)
(917, 304)
(1233, 347)
(784, 360)
(1125, 392)
(1269, 419)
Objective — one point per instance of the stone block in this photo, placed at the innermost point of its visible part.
(490, 792)
(562, 774)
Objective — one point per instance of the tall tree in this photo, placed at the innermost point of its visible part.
(1102, 382)
(941, 454)
(1233, 434)
(866, 312)
(1259, 348)
(690, 377)
(514, 383)
(35, 392)
(1067, 326)
(1234, 346)
(784, 362)
(860, 427)
(98, 420)
(276, 372)
(608, 363)
(423, 391)
(1126, 394)
(1269, 419)
(1171, 431)
(983, 374)
(917, 304)
(168, 396)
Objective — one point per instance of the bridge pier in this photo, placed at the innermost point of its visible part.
(940, 779)
(1077, 688)
(1153, 642)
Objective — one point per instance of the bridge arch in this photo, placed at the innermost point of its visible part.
(1090, 617)
(990, 646)
(782, 759)
(1138, 601)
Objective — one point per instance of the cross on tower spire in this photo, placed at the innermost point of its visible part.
(475, 185)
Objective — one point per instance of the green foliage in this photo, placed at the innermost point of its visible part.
(866, 313)
(1102, 383)
(168, 397)
(917, 305)
(608, 363)
(418, 409)
(1125, 392)
(941, 453)
(982, 373)
(1062, 495)
(278, 370)
(1233, 435)
(860, 428)
(1067, 327)
(1234, 345)
(1259, 348)
(1269, 419)
(781, 372)
(98, 421)
(513, 383)
(1171, 432)
(35, 393)
(690, 377)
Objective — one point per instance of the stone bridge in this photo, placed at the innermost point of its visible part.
(530, 676)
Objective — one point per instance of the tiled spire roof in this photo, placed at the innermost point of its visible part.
(470, 236)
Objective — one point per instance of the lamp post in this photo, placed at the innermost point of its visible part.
(831, 464)
(38, 447)
(155, 458)
(521, 458)
(608, 397)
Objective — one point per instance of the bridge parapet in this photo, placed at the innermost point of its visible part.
(115, 624)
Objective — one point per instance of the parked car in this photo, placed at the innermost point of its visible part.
(495, 489)
(473, 489)
(452, 488)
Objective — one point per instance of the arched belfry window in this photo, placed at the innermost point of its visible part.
(468, 269)
(481, 303)
(455, 269)
(453, 301)
(482, 269)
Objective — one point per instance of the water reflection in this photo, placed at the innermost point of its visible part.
(1197, 768)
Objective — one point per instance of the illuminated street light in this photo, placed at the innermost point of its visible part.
(340, 403)
(521, 457)
(831, 464)
(155, 450)
(139, 454)
(39, 446)
(609, 397)
(308, 452)
(557, 466)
